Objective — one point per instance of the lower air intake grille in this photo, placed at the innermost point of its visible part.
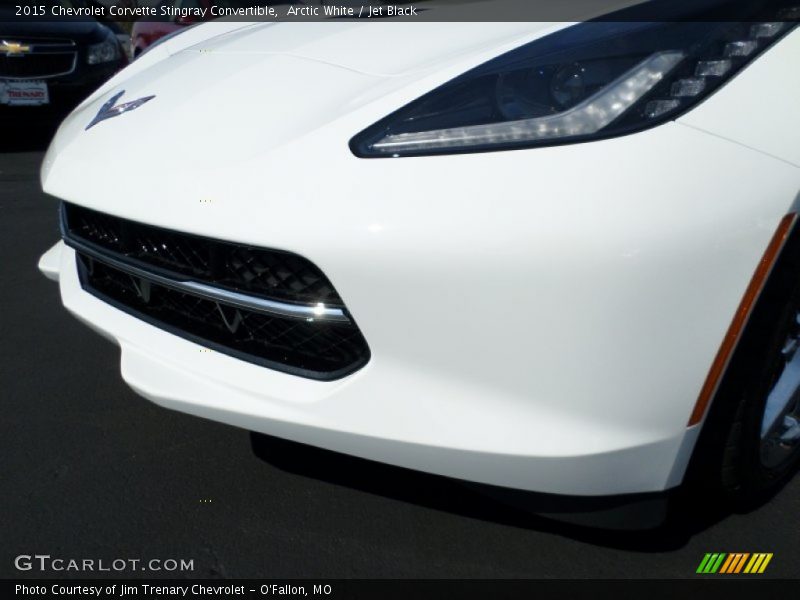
(318, 346)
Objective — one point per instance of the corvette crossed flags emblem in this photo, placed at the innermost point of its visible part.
(109, 111)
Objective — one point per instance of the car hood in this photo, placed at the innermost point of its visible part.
(262, 85)
(386, 48)
(227, 105)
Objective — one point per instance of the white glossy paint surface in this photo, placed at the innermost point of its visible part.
(541, 319)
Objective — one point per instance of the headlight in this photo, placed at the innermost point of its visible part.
(590, 81)
(105, 51)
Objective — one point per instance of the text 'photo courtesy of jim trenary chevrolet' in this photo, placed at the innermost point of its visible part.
(498, 291)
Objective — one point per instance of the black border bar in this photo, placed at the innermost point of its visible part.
(706, 587)
(438, 11)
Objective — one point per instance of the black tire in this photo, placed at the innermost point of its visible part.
(743, 475)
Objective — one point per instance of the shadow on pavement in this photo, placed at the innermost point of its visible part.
(686, 518)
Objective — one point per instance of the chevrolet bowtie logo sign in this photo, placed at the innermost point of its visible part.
(13, 48)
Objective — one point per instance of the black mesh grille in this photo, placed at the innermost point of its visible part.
(313, 348)
(36, 65)
(270, 273)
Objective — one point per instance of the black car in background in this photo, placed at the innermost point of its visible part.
(48, 65)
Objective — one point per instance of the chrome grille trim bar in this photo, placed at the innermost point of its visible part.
(319, 312)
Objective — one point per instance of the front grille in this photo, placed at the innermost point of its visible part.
(36, 65)
(131, 266)
(270, 273)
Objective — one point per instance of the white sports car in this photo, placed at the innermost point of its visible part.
(554, 257)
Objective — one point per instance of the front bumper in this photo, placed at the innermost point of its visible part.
(433, 424)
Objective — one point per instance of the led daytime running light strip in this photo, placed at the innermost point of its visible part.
(585, 118)
(690, 87)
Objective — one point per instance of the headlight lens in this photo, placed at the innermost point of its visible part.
(105, 51)
(590, 81)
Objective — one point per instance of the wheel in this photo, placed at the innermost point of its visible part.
(763, 442)
(750, 443)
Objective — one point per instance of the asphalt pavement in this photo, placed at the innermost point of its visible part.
(90, 470)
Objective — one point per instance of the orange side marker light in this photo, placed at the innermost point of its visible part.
(740, 318)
